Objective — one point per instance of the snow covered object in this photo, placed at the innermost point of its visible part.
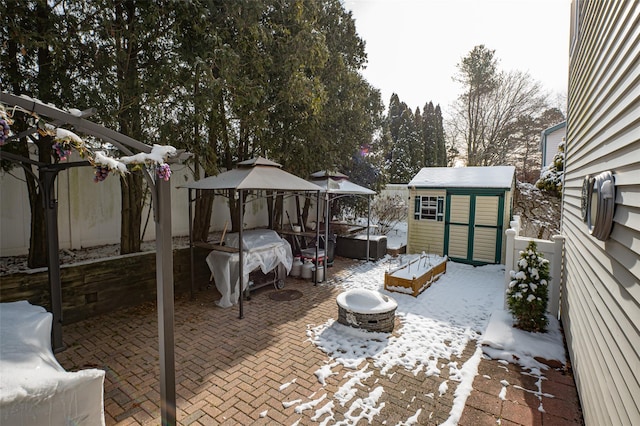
(552, 176)
(528, 291)
(64, 141)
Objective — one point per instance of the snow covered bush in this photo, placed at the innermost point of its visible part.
(528, 291)
(552, 176)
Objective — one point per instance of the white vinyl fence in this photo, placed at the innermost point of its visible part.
(553, 251)
(89, 213)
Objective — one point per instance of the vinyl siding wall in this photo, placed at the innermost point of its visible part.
(601, 297)
(424, 235)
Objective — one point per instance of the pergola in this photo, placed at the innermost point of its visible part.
(161, 203)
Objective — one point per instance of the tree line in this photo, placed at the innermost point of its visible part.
(228, 81)
(498, 117)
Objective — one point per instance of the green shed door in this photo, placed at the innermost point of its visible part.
(457, 226)
(473, 227)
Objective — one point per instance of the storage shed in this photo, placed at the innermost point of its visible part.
(460, 212)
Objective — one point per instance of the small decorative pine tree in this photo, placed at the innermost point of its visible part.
(528, 292)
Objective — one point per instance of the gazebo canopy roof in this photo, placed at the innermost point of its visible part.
(256, 173)
(338, 183)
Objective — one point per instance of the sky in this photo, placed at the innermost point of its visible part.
(413, 46)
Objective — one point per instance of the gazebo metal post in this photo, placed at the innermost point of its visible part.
(315, 279)
(191, 248)
(368, 224)
(164, 288)
(326, 232)
(240, 254)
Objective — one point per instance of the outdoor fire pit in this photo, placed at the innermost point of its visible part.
(366, 309)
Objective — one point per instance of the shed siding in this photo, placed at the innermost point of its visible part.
(601, 303)
(424, 235)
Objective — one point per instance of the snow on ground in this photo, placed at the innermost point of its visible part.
(397, 237)
(438, 324)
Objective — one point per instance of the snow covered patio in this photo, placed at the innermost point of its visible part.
(291, 362)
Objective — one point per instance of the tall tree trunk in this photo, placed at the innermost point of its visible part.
(131, 194)
(38, 239)
(37, 257)
(129, 119)
(202, 215)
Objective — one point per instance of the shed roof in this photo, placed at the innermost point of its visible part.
(464, 177)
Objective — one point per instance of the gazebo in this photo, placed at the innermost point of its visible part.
(337, 185)
(251, 175)
(161, 198)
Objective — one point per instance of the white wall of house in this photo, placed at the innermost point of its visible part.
(601, 297)
(552, 141)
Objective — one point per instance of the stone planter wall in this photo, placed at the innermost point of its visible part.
(94, 288)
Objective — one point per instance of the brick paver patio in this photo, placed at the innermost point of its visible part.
(235, 372)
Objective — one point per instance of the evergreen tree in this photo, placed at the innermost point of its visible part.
(38, 60)
(416, 140)
(440, 157)
(527, 295)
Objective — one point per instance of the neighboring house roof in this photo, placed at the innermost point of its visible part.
(464, 177)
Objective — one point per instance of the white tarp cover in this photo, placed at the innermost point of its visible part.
(263, 248)
(500, 177)
(34, 388)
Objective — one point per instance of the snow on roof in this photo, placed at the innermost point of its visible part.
(464, 177)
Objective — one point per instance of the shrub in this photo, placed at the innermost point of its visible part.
(388, 211)
(528, 291)
(552, 176)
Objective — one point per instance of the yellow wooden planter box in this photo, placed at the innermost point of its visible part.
(416, 285)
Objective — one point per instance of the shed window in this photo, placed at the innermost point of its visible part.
(429, 208)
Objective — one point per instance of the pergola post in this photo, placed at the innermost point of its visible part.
(164, 279)
(47, 180)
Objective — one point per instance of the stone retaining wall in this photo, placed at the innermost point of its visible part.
(93, 288)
